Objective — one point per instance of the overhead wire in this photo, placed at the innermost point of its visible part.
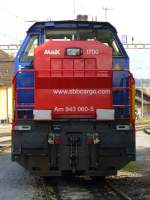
(84, 9)
(7, 36)
(12, 13)
(80, 5)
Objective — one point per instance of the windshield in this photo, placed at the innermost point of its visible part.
(105, 36)
(28, 53)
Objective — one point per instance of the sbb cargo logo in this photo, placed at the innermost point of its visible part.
(75, 101)
(82, 92)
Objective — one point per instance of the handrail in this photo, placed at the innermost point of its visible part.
(114, 88)
(22, 70)
(78, 70)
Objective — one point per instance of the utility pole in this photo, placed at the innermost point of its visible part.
(74, 9)
(142, 101)
(141, 88)
(106, 9)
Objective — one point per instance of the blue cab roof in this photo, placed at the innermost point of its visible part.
(38, 26)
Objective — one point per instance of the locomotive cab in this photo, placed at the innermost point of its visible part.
(73, 100)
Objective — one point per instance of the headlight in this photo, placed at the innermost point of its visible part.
(73, 52)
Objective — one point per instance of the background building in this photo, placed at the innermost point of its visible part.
(6, 73)
(142, 110)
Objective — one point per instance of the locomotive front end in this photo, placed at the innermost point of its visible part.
(74, 111)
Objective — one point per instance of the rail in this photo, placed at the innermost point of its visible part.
(5, 143)
(119, 192)
(4, 148)
(144, 126)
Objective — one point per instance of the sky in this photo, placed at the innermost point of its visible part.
(130, 17)
(140, 62)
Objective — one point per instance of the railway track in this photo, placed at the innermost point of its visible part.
(142, 126)
(78, 189)
(4, 147)
(120, 193)
(5, 143)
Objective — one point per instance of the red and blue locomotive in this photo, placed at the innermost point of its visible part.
(73, 100)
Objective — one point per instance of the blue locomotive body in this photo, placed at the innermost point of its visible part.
(37, 34)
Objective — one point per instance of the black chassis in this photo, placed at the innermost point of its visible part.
(75, 153)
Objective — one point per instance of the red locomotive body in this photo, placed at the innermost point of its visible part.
(72, 86)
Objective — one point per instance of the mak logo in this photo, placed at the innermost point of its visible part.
(52, 52)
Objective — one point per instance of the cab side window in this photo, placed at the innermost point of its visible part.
(28, 53)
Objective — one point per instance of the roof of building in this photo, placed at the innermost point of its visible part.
(6, 68)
